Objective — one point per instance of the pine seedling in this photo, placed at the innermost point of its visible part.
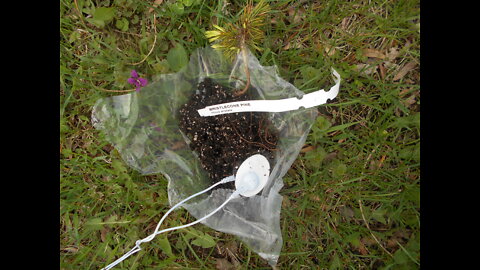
(245, 33)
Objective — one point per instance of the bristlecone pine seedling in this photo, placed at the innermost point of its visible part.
(245, 33)
(223, 142)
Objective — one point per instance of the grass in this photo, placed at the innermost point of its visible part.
(351, 199)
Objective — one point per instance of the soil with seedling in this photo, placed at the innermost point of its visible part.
(223, 142)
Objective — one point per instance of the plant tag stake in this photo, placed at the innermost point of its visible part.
(282, 105)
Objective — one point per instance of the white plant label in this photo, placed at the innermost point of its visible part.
(281, 105)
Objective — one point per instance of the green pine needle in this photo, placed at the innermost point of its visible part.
(246, 32)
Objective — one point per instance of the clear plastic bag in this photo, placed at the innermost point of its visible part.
(144, 128)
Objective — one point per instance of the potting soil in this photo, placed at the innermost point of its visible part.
(223, 142)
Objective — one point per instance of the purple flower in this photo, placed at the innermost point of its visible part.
(152, 124)
(137, 81)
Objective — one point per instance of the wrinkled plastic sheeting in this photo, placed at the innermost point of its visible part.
(144, 128)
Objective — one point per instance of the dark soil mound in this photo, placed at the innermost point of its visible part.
(223, 142)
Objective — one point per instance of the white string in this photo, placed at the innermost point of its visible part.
(156, 232)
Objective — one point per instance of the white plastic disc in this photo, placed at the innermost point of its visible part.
(252, 175)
